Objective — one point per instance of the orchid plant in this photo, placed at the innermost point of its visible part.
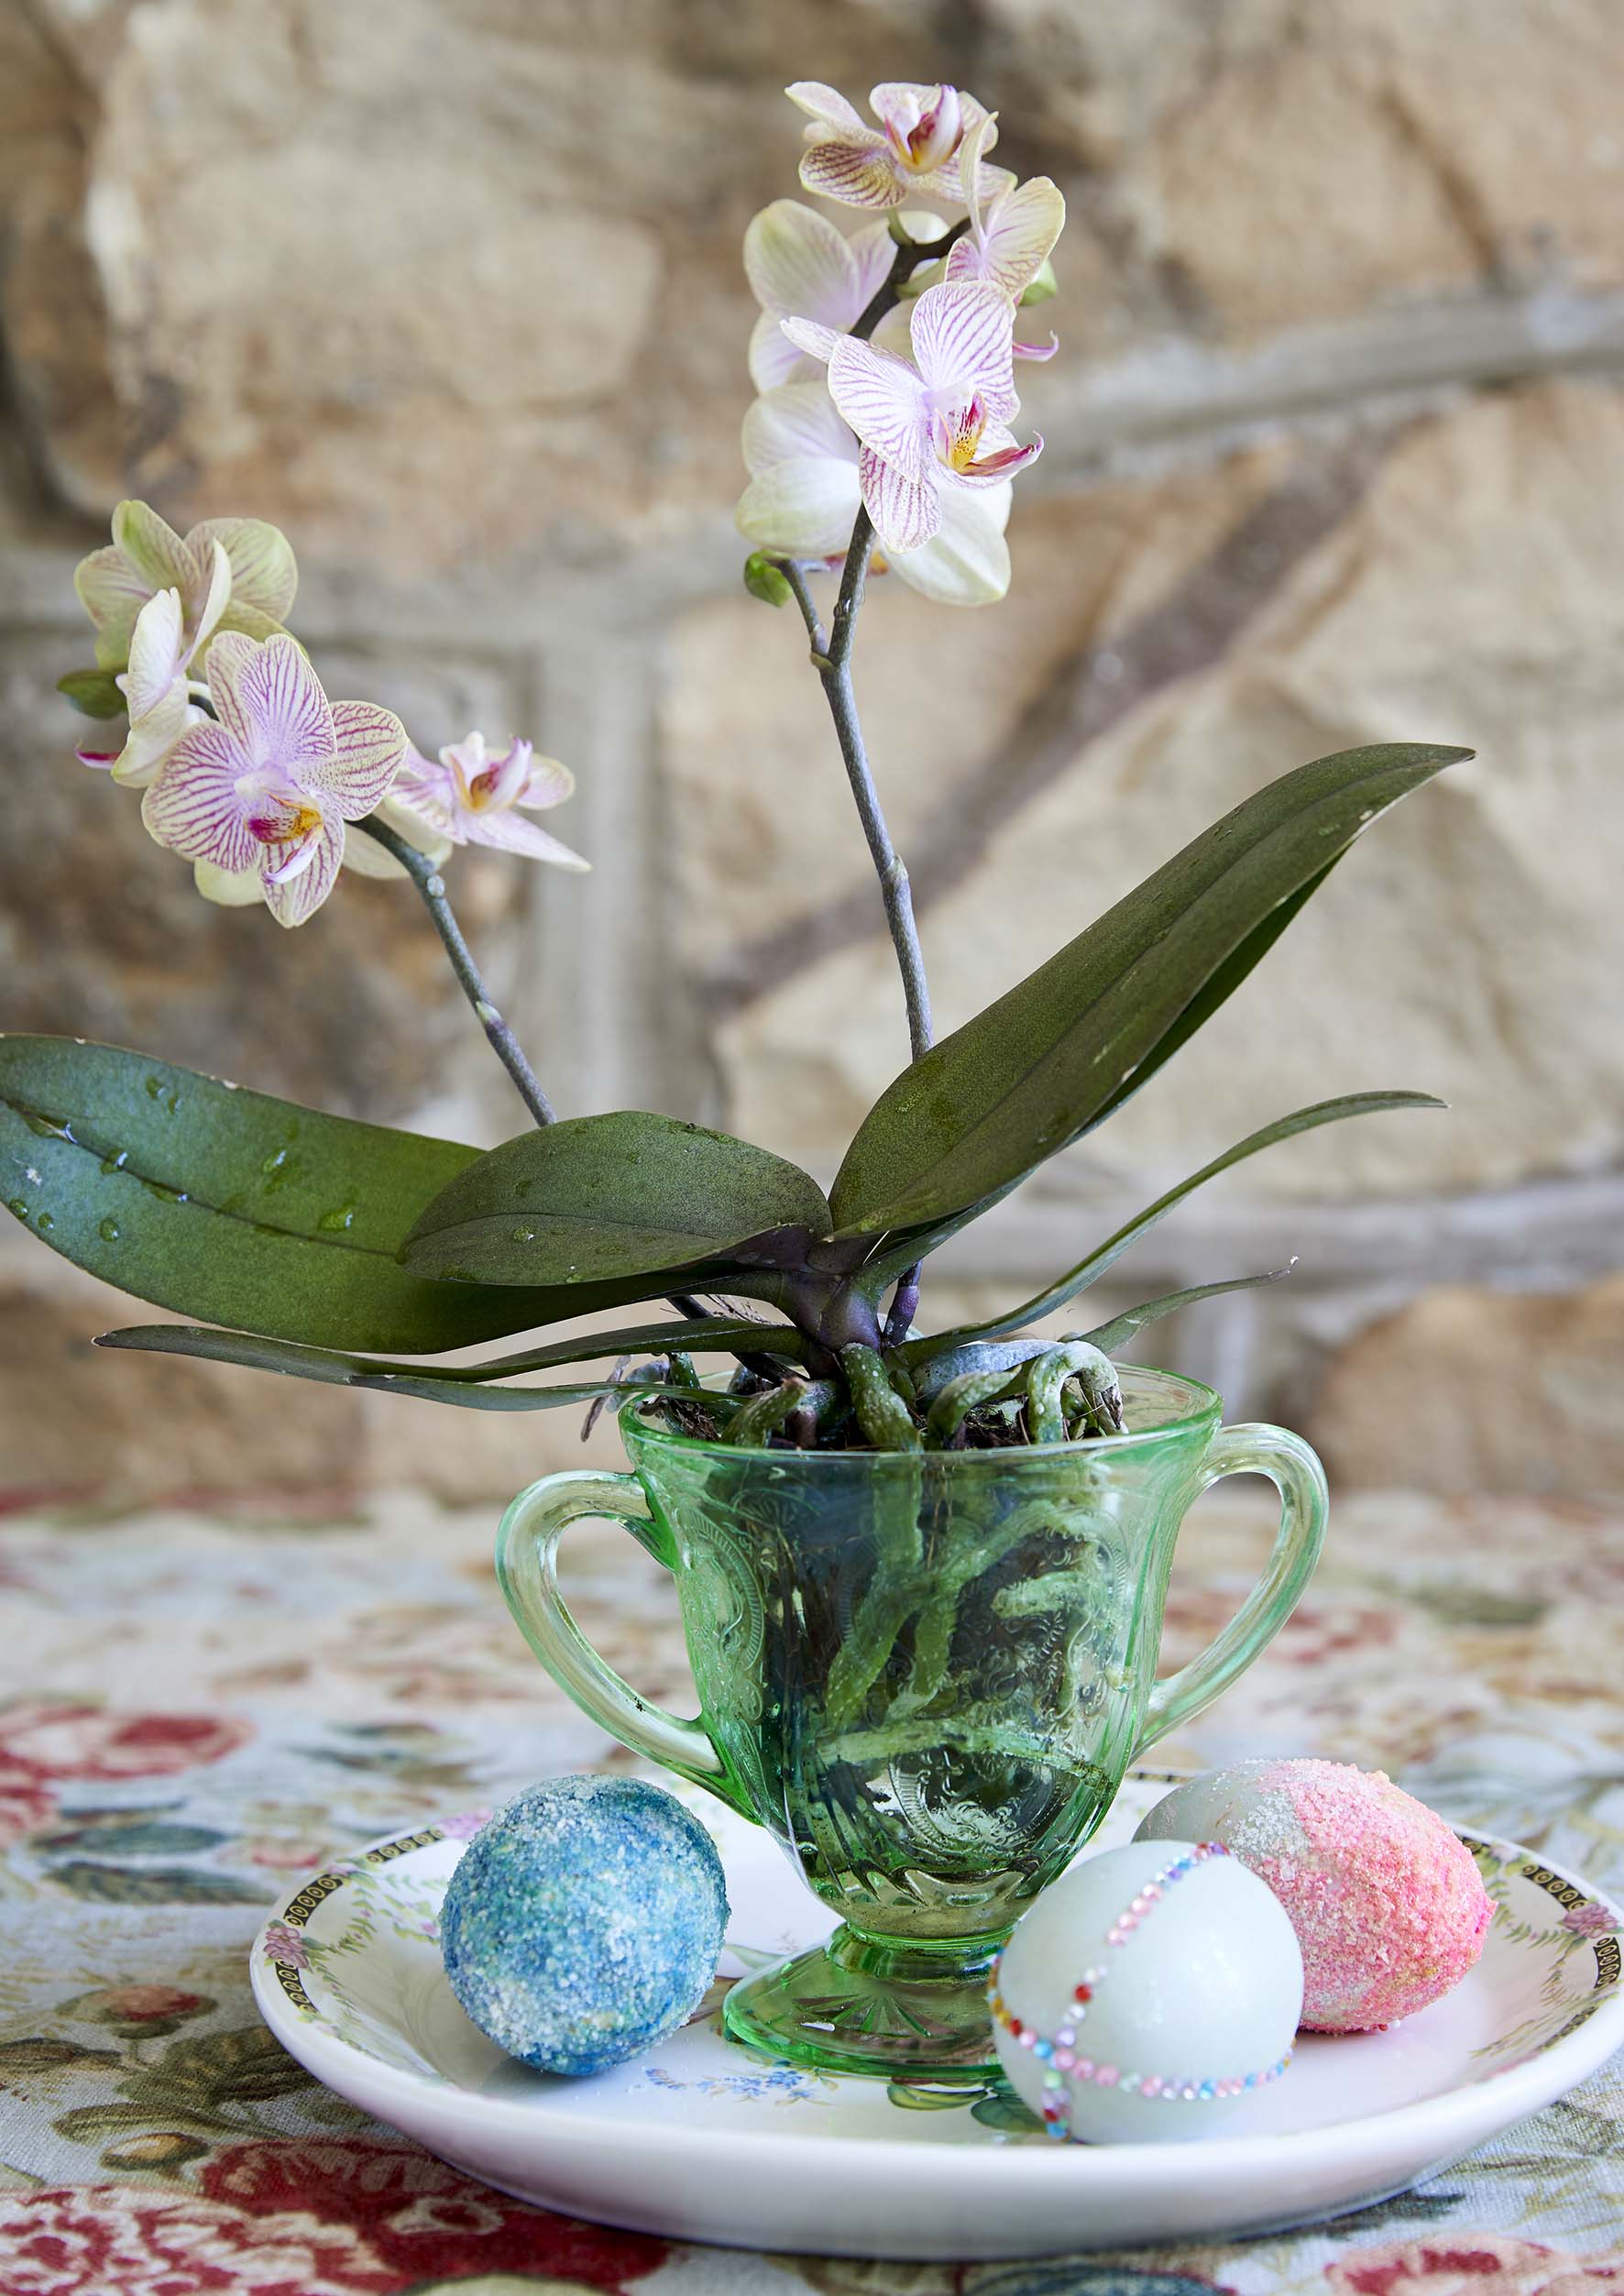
(885, 438)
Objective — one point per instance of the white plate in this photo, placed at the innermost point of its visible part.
(699, 2141)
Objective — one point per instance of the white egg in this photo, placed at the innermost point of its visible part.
(1147, 1993)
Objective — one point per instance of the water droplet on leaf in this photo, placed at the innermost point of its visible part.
(335, 1222)
(109, 1231)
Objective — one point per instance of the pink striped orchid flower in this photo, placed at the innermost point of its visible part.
(805, 493)
(934, 422)
(259, 801)
(471, 796)
(912, 153)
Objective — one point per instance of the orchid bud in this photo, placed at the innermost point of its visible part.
(764, 578)
(1043, 286)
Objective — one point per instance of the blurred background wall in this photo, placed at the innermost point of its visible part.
(450, 289)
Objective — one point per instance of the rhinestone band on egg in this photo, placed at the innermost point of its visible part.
(1059, 2056)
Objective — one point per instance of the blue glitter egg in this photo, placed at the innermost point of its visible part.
(582, 1924)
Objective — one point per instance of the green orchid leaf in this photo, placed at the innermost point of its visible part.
(1120, 1328)
(1047, 1062)
(605, 1198)
(94, 693)
(717, 1334)
(234, 1207)
(1107, 1253)
(330, 1369)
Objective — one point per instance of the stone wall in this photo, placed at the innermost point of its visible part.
(450, 289)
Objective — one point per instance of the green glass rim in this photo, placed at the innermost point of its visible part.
(1203, 1405)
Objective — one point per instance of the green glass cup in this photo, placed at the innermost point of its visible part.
(925, 1673)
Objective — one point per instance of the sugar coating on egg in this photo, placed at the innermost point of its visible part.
(1146, 1994)
(582, 1924)
(1387, 1903)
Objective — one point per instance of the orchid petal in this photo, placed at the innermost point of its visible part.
(367, 858)
(550, 784)
(881, 396)
(796, 261)
(806, 507)
(819, 342)
(902, 104)
(511, 833)
(229, 655)
(858, 175)
(153, 549)
(1037, 350)
(1023, 231)
(264, 575)
(155, 653)
(906, 511)
(247, 622)
(796, 420)
(412, 820)
(215, 598)
(112, 593)
(977, 141)
(892, 334)
(829, 106)
(368, 746)
(998, 463)
(773, 358)
(504, 778)
(231, 889)
(194, 807)
(294, 899)
(153, 736)
(961, 333)
(966, 562)
(282, 696)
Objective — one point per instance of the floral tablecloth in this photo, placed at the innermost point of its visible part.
(197, 1711)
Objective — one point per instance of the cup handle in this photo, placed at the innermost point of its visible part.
(526, 1569)
(1305, 1504)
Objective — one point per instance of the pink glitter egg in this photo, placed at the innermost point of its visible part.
(1387, 1902)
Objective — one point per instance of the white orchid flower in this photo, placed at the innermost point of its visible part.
(1011, 236)
(259, 800)
(912, 154)
(471, 796)
(933, 424)
(146, 555)
(805, 493)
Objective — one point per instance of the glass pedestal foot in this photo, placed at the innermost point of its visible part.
(857, 2005)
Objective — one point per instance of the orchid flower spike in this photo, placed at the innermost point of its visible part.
(146, 555)
(912, 153)
(933, 423)
(259, 802)
(1011, 236)
(805, 493)
(471, 796)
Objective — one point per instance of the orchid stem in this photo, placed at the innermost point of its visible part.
(426, 877)
(831, 658)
